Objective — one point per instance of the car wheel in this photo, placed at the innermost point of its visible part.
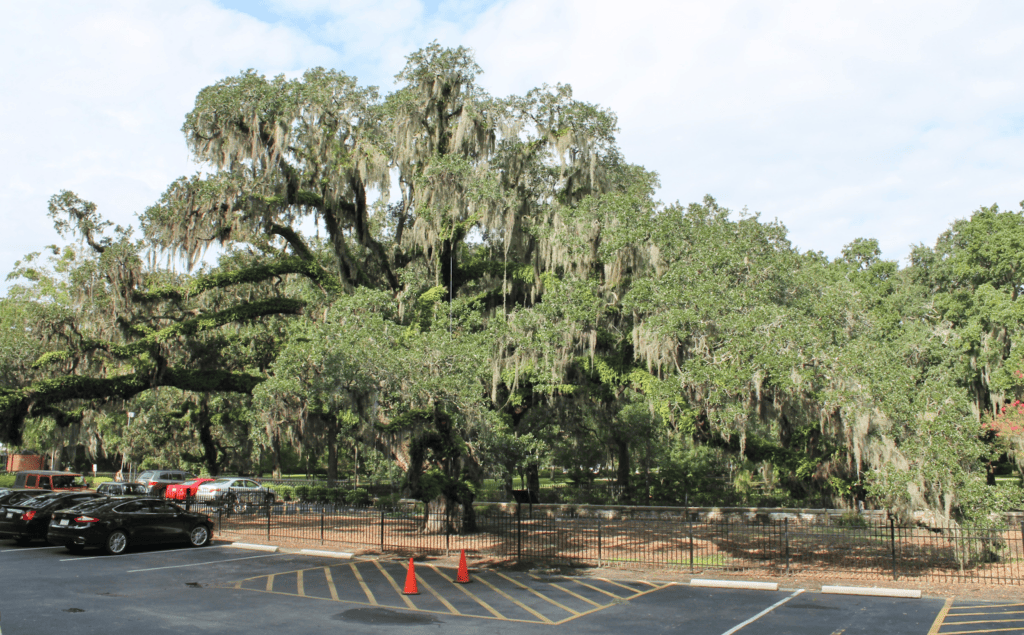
(199, 536)
(116, 543)
(238, 506)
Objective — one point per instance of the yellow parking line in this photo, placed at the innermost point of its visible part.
(300, 585)
(599, 590)
(513, 600)
(990, 630)
(448, 605)
(478, 600)
(575, 595)
(986, 606)
(937, 624)
(628, 588)
(330, 584)
(601, 608)
(395, 586)
(369, 595)
(539, 594)
(270, 582)
(1019, 619)
(996, 613)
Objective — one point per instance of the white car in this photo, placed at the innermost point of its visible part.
(237, 494)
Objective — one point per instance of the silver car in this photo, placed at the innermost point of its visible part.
(237, 494)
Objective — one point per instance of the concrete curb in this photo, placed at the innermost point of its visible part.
(873, 591)
(245, 545)
(735, 584)
(329, 554)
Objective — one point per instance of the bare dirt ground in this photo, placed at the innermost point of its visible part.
(809, 580)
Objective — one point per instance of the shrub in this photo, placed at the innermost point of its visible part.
(335, 495)
(301, 492)
(851, 519)
(390, 501)
(286, 492)
(7, 480)
(319, 493)
(357, 497)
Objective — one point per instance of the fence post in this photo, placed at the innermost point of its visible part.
(892, 544)
(268, 522)
(689, 529)
(322, 525)
(382, 530)
(599, 542)
(785, 528)
(519, 534)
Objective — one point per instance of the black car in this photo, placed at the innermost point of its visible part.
(122, 489)
(115, 523)
(28, 518)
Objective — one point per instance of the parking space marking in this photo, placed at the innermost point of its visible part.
(763, 613)
(394, 585)
(488, 607)
(951, 619)
(369, 595)
(330, 584)
(502, 588)
(628, 588)
(199, 564)
(538, 594)
(140, 553)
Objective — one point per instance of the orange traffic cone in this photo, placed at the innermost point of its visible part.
(463, 577)
(410, 580)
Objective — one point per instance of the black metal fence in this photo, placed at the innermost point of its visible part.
(871, 550)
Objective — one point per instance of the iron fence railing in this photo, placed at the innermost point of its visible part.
(879, 549)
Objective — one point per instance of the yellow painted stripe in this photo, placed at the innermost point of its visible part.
(1019, 619)
(426, 585)
(330, 584)
(301, 585)
(487, 606)
(989, 613)
(270, 582)
(575, 595)
(937, 624)
(595, 610)
(513, 600)
(369, 595)
(238, 585)
(628, 588)
(394, 585)
(598, 589)
(989, 630)
(986, 606)
(539, 594)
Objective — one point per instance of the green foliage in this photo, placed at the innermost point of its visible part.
(7, 480)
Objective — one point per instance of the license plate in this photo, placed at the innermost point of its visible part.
(63, 522)
(10, 515)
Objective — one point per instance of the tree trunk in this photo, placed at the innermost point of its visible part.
(624, 479)
(275, 448)
(332, 458)
(207, 441)
(533, 477)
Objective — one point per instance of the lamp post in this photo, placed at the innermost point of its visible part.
(127, 429)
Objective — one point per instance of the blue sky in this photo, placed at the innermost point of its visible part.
(843, 120)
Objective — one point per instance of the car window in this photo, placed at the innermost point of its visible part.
(93, 503)
(67, 480)
(134, 488)
(31, 480)
(20, 497)
(134, 507)
(161, 507)
(221, 481)
(41, 501)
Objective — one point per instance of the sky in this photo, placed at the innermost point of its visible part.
(884, 120)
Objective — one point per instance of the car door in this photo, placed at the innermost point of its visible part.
(168, 521)
(134, 517)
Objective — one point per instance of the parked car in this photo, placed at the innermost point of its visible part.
(18, 495)
(29, 518)
(237, 494)
(186, 490)
(115, 523)
(50, 480)
(122, 489)
(158, 480)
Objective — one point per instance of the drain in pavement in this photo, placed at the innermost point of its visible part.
(385, 616)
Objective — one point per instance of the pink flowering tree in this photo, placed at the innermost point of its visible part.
(1005, 434)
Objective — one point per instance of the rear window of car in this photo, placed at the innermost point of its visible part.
(19, 497)
(90, 505)
(42, 501)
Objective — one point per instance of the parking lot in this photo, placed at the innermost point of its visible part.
(219, 589)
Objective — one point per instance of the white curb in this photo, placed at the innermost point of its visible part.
(245, 545)
(329, 554)
(735, 584)
(876, 591)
